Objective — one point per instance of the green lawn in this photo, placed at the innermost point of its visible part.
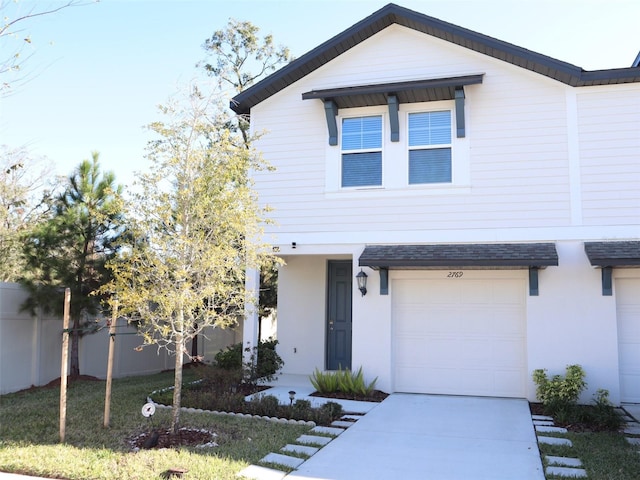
(29, 435)
(605, 455)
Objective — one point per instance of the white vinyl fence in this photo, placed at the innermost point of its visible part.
(31, 347)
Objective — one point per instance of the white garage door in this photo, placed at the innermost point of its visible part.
(628, 310)
(460, 333)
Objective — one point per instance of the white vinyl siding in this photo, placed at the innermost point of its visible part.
(609, 134)
(510, 172)
(429, 147)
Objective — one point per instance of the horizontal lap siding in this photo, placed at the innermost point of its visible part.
(516, 130)
(609, 129)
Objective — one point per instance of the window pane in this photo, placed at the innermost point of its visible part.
(430, 128)
(362, 169)
(430, 166)
(362, 133)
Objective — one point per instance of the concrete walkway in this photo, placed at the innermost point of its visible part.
(633, 409)
(434, 438)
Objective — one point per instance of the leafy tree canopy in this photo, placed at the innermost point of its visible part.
(195, 224)
(71, 247)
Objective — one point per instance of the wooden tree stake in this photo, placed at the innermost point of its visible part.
(65, 363)
(112, 344)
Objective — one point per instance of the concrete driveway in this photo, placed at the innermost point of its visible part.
(433, 438)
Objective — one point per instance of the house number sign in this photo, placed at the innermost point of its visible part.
(455, 274)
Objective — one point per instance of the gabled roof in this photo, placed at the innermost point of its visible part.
(394, 14)
(487, 255)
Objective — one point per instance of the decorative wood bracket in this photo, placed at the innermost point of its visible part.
(460, 124)
(331, 111)
(392, 101)
(384, 281)
(607, 282)
(533, 282)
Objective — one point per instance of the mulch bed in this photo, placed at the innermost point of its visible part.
(376, 396)
(165, 438)
(538, 409)
(56, 382)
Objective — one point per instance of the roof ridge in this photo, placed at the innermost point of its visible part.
(394, 14)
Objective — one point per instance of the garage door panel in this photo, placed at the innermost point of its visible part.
(456, 381)
(469, 339)
(629, 330)
(503, 321)
(628, 313)
(418, 292)
(504, 381)
(630, 387)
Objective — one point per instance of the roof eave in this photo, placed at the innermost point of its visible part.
(550, 67)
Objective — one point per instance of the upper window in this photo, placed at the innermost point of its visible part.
(430, 147)
(362, 151)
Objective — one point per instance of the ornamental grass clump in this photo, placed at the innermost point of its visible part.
(344, 381)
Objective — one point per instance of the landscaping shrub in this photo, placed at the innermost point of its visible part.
(559, 393)
(264, 405)
(223, 381)
(345, 381)
(301, 409)
(267, 363)
(559, 396)
(221, 390)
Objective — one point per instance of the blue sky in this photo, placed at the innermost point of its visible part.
(99, 71)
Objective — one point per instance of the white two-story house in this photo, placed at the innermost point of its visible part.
(489, 194)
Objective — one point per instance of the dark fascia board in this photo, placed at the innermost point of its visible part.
(556, 69)
(613, 253)
(516, 255)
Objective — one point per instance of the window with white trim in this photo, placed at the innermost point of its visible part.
(361, 151)
(430, 147)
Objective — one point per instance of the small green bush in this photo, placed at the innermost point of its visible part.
(267, 363)
(559, 393)
(264, 405)
(230, 358)
(345, 381)
(220, 380)
(326, 412)
(603, 414)
(301, 409)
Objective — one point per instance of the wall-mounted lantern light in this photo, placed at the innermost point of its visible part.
(361, 277)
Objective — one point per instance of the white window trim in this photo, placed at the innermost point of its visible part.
(369, 150)
(433, 146)
(395, 178)
(333, 177)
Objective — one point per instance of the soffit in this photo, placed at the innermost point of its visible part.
(428, 90)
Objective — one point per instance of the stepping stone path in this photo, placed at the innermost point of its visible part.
(559, 466)
(571, 467)
(301, 447)
(632, 429)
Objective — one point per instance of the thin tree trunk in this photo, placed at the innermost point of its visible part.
(177, 379)
(74, 370)
(194, 345)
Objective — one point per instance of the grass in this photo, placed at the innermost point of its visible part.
(29, 435)
(604, 455)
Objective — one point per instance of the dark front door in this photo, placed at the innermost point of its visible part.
(339, 315)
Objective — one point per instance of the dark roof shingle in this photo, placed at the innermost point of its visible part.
(514, 255)
(393, 14)
(613, 254)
